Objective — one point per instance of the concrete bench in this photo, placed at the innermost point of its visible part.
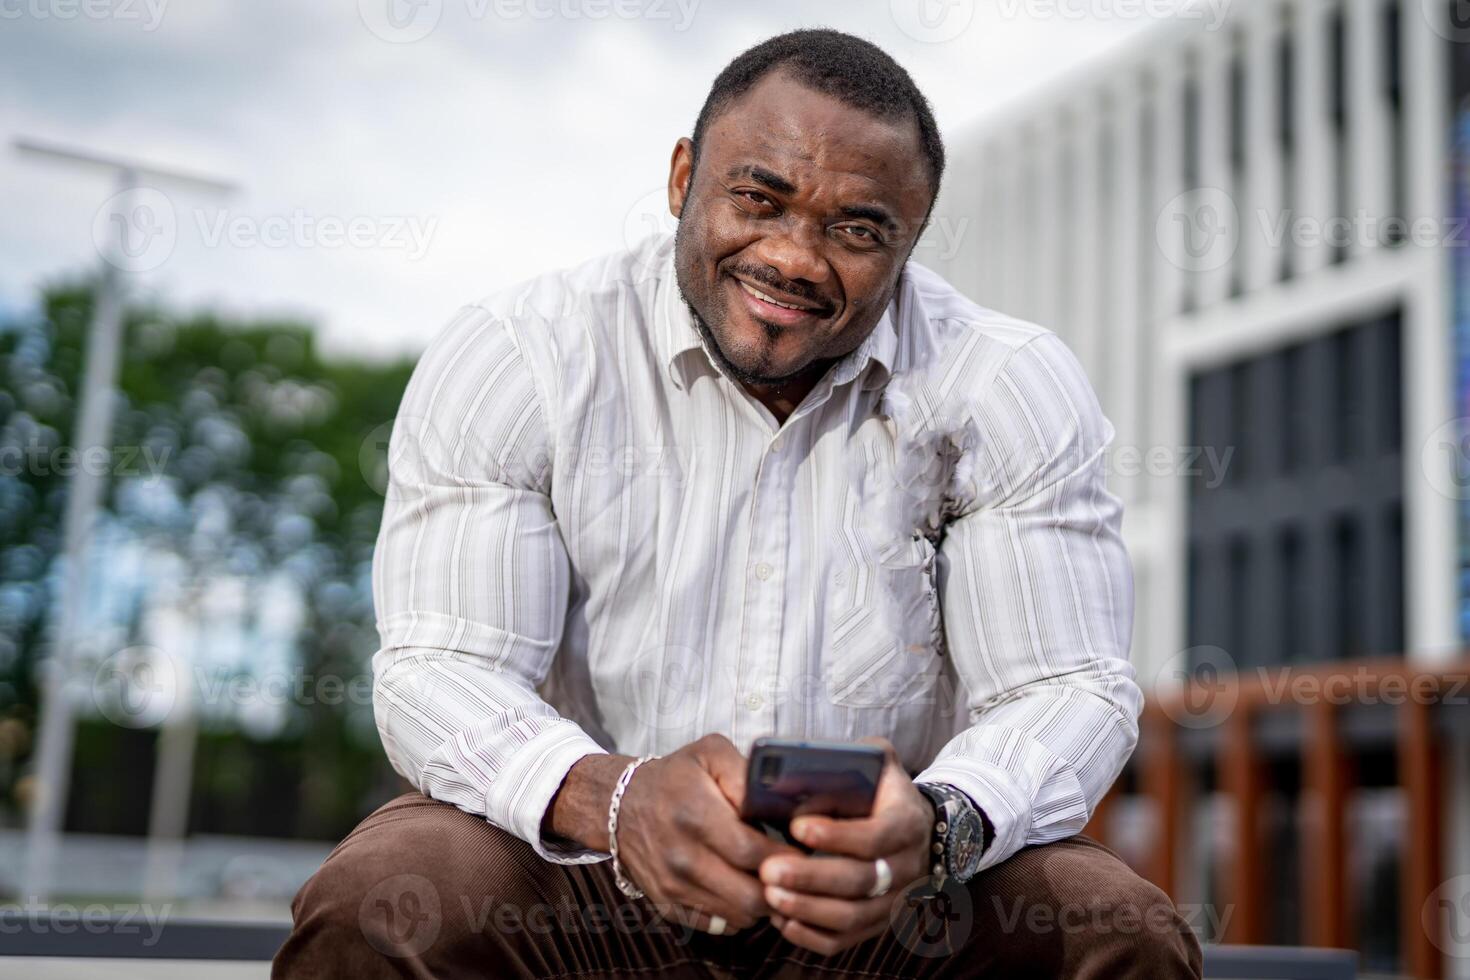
(45, 936)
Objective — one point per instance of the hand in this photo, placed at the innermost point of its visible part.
(820, 901)
(681, 839)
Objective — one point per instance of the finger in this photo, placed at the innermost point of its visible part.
(717, 888)
(740, 844)
(879, 835)
(867, 838)
(838, 877)
(724, 762)
(820, 941)
(693, 918)
(696, 907)
(841, 915)
(710, 819)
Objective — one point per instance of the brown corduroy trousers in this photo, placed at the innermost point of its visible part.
(423, 889)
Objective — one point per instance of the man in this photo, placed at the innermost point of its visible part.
(764, 478)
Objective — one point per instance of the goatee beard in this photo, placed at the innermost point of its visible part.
(724, 363)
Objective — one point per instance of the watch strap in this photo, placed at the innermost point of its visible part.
(951, 807)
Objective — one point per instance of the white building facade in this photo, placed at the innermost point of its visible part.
(1249, 235)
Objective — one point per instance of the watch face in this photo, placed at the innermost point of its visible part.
(966, 835)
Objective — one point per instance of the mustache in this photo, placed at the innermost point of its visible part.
(766, 276)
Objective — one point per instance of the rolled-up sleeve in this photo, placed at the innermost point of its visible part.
(1037, 594)
(470, 583)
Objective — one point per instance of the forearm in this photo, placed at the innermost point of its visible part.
(1038, 764)
(480, 739)
(578, 811)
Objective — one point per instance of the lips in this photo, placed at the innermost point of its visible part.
(773, 309)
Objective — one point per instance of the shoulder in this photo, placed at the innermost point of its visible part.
(511, 351)
(571, 316)
(593, 286)
(975, 355)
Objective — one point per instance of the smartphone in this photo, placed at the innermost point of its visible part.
(788, 778)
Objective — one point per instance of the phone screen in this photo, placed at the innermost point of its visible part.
(789, 778)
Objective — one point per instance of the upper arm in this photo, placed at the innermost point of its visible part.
(470, 560)
(1037, 585)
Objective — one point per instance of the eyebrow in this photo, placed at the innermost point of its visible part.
(871, 212)
(779, 184)
(761, 175)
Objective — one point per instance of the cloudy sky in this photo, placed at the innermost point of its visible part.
(393, 159)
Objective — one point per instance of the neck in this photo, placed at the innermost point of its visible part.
(781, 399)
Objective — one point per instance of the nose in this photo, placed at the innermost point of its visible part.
(795, 253)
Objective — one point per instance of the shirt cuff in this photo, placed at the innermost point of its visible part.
(523, 788)
(992, 792)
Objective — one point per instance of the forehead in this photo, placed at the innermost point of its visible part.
(808, 137)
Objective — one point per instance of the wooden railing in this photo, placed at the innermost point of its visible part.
(1224, 719)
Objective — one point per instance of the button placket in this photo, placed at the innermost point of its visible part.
(760, 646)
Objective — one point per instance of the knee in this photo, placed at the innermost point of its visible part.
(1126, 926)
(355, 902)
(1077, 901)
(398, 893)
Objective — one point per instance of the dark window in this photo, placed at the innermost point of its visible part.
(1241, 436)
(1238, 591)
(1347, 395)
(1191, 133)
(1286, 125)
(1392, 39)
(1388, 361)
(1392, 59)
(1298, 554)
(1393, 573)
(1337, 66)
(1237, 113)
(1285, 90)
(1337, 54)
(1293, 595)
(1294, 420)
(1347, 599)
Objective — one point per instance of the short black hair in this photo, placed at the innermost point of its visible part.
(848, 68)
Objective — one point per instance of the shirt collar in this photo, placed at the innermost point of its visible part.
(677, 336)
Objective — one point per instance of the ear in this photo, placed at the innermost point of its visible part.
(681, 175)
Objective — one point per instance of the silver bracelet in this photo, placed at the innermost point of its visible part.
(624, 885)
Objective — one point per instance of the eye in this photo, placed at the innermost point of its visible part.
(861, 234)
(756, 198)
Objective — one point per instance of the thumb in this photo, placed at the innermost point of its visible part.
(723, 761)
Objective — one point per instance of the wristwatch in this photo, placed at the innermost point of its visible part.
(961, 833)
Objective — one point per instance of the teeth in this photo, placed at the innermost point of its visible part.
(769, 299)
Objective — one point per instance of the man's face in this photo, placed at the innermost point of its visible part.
(798, 201)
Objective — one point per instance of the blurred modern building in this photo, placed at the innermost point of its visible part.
(1254, 235)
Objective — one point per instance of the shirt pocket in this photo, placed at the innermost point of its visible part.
(884, 646)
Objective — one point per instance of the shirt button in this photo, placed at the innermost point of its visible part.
(753, 702)
(763, 571)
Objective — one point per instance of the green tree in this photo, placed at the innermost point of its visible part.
(243, 450)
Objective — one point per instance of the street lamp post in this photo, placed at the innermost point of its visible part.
(57, 722)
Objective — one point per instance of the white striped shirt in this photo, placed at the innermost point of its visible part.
(594, 540)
